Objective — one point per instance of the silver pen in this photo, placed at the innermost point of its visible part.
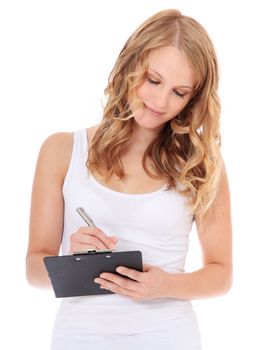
(85, 216)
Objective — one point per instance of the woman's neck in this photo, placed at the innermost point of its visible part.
(142, 138)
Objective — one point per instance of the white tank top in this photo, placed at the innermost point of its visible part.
(157, 223)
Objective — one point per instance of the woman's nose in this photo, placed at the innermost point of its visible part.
(161, 99)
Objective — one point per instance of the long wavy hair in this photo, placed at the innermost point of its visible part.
(187, 150)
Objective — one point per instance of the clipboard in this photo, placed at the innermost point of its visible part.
(73, 275)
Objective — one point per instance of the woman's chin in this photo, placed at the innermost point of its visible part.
(149, 125)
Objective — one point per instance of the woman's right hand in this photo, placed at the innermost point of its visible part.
(86, 238)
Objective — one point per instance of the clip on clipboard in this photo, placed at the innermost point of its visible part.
(73, 275)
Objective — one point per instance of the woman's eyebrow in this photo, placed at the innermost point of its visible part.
(154, 71)
(180, 86)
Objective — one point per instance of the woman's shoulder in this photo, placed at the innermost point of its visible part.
(58, 138)
(56, 151)
(60, 143)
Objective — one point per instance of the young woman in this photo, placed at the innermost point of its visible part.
(145, 174)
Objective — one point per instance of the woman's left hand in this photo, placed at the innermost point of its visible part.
(149, 284)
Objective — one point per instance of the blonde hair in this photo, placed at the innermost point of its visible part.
(187, 151)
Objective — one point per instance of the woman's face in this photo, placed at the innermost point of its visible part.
(167, 89)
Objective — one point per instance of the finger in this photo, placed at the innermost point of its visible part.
(114, 239)
(125, 283)
(106, 240)
(92, 241)
(81, 241)
(147, 267)
(121, 291)
(96, 232)
(131, 273)
(111, 281)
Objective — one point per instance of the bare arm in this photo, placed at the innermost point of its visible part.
(47, 209)
(46, 216)
(215, 236)
(214, 278)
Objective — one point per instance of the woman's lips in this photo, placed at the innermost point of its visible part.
(153, 111)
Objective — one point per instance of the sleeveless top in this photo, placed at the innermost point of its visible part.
(156, 223)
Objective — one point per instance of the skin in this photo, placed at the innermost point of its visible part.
(166, 91)
(169, 77)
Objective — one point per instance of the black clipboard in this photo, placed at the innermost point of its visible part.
(73, 275)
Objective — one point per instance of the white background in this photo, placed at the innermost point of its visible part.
(54, 64)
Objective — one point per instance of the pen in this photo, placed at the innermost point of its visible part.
(85, 216)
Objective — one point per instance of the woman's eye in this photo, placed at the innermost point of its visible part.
(179, 93)
(152, 81)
